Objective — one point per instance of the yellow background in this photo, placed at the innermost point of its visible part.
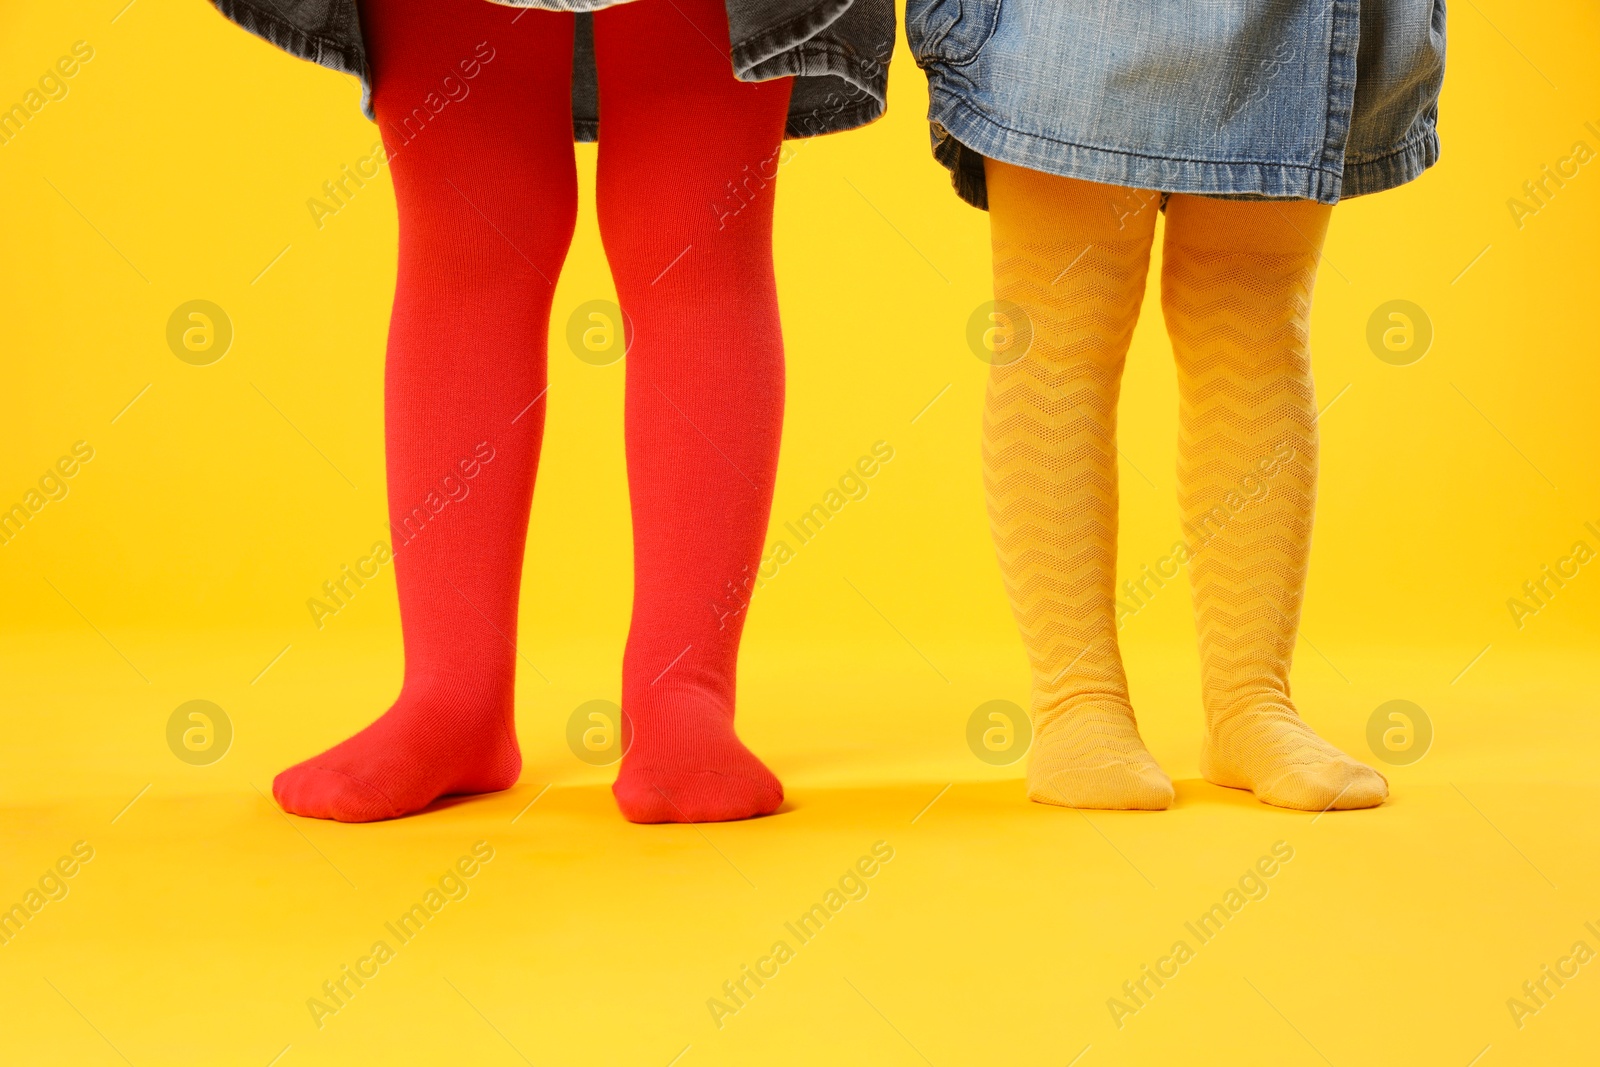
(178, 167)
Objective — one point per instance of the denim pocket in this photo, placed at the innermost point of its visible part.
(949, 31)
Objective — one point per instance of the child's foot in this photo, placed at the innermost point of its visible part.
(1269, 750)
(1093, 757)
(689, 766)
(416, 752)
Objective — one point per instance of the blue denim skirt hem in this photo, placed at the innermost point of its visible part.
(1305, 99)
(963, 138)
(1396, 168)
(838, 51)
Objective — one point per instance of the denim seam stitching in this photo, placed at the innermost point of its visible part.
(1335, 47)
(962, 104)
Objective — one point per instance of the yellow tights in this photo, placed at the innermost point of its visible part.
(1236, 289)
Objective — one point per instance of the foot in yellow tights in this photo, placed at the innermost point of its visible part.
(1236, 289)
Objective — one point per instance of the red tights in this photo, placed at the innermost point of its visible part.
(474, 103)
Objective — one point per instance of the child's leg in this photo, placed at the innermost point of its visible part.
(1236, 287)
(687, 159)
(487, 196)
(1073, 255)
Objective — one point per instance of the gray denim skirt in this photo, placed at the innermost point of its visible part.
(837, 50)
(1309, 99)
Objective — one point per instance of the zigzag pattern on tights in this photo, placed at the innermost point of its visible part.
(1050, 474)
(1247, 463)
